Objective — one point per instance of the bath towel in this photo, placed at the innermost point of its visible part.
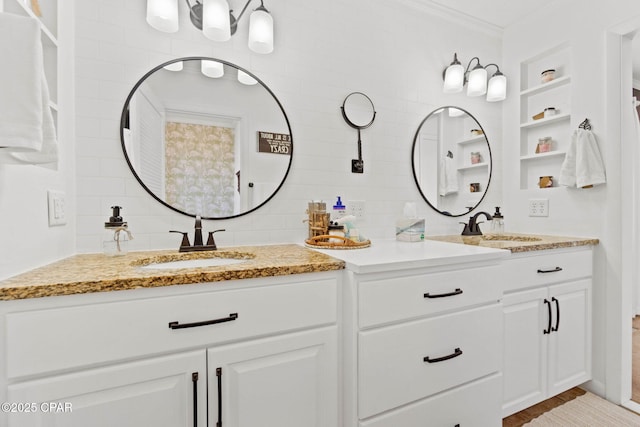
(583, 165)
(27, 130)
(448, 179)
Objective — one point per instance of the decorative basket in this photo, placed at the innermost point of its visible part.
(323, 242)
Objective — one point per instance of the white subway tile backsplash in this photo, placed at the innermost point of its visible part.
(323, 51)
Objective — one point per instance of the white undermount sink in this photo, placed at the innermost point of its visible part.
(193, 263)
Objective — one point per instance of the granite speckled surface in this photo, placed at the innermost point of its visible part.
(516, 242)
(89, 273)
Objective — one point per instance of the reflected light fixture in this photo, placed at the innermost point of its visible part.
(213, 69)
(175, 66)
(246, 79)
(455, 77)
(215, 19)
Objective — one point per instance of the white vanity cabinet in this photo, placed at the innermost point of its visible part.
(422, 336)
(547, 325)
(151, 356)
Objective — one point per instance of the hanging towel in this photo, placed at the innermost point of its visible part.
(448, 179)
(582, 166)
(27, 131)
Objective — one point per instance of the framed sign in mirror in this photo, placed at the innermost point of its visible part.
(204, 143)
(451, 161)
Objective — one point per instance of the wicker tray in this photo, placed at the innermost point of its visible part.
(319, 243)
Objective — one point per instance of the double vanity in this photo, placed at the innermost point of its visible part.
(398, 334)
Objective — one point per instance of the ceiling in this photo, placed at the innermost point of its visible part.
(500, 13)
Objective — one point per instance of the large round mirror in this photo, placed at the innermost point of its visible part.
(451, 161)
(206, 137)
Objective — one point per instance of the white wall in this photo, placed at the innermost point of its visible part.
(323, 51)
(596, 212)
(27, 239)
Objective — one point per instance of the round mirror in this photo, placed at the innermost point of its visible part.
(451, 161)
(203, 139)
(358, 110)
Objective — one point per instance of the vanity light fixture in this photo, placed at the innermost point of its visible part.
(175, 66)
(215, 19)
(455, 77)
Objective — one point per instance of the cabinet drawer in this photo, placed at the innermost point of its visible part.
(392, 367)
(546, 268)
(63, 338)
(474, 404)
(388, 300)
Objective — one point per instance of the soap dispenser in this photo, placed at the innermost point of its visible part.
(497, 223)
(116, 234)
(339, 210)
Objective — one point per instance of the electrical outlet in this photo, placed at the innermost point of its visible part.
(538, 207)
(356, 208)
(56, 204)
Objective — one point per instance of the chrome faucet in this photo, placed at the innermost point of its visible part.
(473, 227)
(198, 244)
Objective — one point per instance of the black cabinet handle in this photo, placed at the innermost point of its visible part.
(219, 375)
(458, 291)
(557, 314)
(457, 352)
(555, 270)
(548, 330)
(177, 325)
(194, 379)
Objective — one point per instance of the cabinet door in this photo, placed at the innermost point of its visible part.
(286, 381)
(526, 317)
(570, 341)
(156, 392)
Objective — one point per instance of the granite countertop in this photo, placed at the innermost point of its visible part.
(516, 242)
(89, 273)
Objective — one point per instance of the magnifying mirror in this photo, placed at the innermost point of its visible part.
(359, 113)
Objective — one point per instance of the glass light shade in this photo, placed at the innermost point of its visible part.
(455, 112)
(261, 31)
(477, 84)
(215, 20)
(245, 78)
(497, 90)
(213, 69)
(453, 79)
(163, 15)
(176, 66)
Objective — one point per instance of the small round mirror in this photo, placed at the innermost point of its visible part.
(358, 110)
(451, 161)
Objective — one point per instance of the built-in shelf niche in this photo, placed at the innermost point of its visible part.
(535, 96)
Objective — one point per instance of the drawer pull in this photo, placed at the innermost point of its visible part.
(548, 330)
(456, 353)
(555, 270)
(177, 325)
(458, 291)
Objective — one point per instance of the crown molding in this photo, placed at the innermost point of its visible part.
(435, 9)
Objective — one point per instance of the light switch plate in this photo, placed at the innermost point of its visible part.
(538, 207)
(57, 208)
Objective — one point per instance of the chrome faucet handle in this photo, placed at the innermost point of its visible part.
(211, 241)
